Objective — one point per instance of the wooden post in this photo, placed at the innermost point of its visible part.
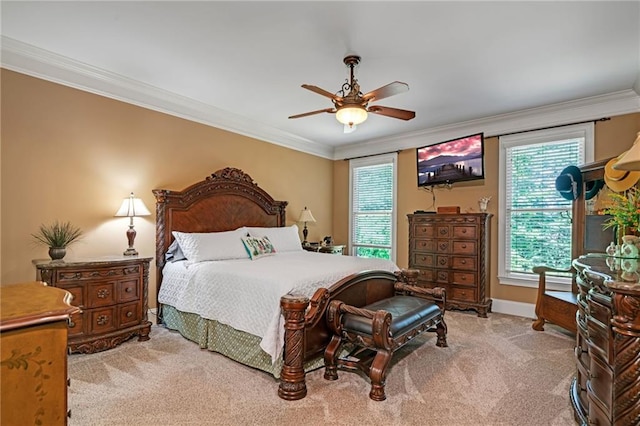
(292, 378)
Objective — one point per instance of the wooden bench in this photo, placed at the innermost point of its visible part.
(377, 330)
(556, 307)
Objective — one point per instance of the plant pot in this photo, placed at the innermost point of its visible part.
(57, 253)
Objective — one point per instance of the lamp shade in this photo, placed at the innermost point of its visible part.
(630, 160)
(306, 216)
(132, 207)
(351, 115)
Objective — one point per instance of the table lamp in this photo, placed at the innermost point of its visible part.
(305, 216)
(132, 207)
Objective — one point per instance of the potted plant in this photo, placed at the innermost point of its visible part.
(625, 212)
(57, 236)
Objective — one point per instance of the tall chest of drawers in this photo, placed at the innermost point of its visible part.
(452, 251)
(112, 294)
(606, 388)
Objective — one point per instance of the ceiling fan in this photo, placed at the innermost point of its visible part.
(351, 106)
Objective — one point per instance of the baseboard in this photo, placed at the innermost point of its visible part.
(509, 307)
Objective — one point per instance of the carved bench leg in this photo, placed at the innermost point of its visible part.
(330, 358)
(441, 331)
(378, 374)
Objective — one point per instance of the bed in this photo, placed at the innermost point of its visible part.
(289, 339)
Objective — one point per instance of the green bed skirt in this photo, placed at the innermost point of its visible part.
(237, 345)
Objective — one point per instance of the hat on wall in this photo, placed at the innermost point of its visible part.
(592, 187)
(619, 180)
(569, 183)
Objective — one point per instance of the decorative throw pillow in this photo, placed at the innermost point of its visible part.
(258, 247)
(285, 238)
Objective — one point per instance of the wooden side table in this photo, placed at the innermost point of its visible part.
(112, 293)
(332, 249)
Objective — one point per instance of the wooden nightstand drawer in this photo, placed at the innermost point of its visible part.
(422, 260)
(101, 294)
(128, 314)
(422, 231)
(102, 320)
(128, 290)
(424, 245)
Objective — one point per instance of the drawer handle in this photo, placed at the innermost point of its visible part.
(424, 258)
(463, 277)
(128, 290)
(464, 246)
(103, 319)
(579, 350)
(129, 314)
(464, 262)
(103, 293)
(71, 323)
(464, 231)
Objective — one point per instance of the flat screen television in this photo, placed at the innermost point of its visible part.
(448, 162)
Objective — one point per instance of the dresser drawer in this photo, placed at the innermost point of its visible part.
(599, 338)
(600, 382)
(102, 320)
(426, 275)
(63, 275)
(465, 232)
(464, 247)
(599, 311)
(422, 260)
(422, 231)
(129, 314)
(423, 244)
(464, 278)
(466, 294)
(466, 263)
(101, 294)
(77, 294)
(76, 325)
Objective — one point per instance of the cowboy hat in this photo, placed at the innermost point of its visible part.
(569, 183)
(592, 187)
(619, 180)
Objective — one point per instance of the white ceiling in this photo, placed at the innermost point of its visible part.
(239, 65)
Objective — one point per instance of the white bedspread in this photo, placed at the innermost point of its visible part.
(245, 294)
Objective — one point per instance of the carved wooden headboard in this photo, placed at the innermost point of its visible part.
(224, 201)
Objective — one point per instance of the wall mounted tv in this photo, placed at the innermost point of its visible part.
(448, 162)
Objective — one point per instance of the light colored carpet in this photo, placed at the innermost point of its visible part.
(496, 371)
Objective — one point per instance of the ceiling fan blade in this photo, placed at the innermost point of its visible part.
(322, 92)
(402, 114)
(385, 91)
(330, 110)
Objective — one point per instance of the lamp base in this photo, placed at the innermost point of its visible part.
(130, 252)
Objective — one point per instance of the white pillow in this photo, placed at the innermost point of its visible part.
(198, 247)
(283, 238)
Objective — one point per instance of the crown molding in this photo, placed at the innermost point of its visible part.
(591, 108)
(30, 60)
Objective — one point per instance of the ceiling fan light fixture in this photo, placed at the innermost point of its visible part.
(351, 115)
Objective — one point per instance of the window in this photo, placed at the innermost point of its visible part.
(535, 226)
(372, 222)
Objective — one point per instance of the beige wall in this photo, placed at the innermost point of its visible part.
(73, 156)
(611, 137)
(70, 155)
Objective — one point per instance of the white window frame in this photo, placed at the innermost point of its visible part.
(584, 130)
(373, 161)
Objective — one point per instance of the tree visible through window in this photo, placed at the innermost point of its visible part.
(537, 220)
(372, 230)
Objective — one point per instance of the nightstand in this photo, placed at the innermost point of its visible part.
(333, 249)
(112, 294)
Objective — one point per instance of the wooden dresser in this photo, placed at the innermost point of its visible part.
(33, 348)
(452, 251)
(113, 295)
(606, 389)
